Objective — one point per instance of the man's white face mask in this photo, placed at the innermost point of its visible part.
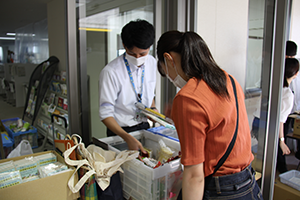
(178, 81)
(136, 61)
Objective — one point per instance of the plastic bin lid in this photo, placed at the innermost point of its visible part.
(6, 141)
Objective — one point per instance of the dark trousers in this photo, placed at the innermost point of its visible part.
(114, 191)
(128, 129)
(238, 186)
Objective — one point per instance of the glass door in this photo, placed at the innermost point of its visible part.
(268, 30)
(100, 23)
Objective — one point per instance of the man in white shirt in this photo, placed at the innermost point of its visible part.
(128, 79)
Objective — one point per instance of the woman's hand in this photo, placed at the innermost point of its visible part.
(285, 149)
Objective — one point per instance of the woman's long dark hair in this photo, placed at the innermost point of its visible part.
(196, 59)
(291, 67)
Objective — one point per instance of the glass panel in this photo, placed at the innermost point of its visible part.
(102, 22)
(254, 72)
(31, 44)
(263, 96)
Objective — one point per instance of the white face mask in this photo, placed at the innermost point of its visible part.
(178, 81)
(136, 61)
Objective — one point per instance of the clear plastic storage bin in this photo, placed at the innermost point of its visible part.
(141, 182)
(161, 130)
(291, 178)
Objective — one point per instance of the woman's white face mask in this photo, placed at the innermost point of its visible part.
(136, 61)
(178, 81)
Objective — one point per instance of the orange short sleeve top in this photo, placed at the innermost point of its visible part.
(205, 125)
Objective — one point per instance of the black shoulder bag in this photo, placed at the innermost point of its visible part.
(225, 156)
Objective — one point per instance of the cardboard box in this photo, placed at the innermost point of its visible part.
(297, 125)
(49, 188)
(285, 192)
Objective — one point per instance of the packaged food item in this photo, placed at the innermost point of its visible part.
(151, 162)
(7, 167)
(20, 123)
(46, 159)
(174, 158)
(51, 169)
(8, 179)
(25, 127)
(148, 154)
(28, 167)
(164, 152)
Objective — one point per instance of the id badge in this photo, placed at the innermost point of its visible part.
(138, 115)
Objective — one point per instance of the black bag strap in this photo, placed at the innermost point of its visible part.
(225, 156)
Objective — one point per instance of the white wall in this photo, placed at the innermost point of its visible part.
(295, 25)
(224, 27)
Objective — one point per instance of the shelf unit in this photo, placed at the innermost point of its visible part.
(43, 118)
(38, 85)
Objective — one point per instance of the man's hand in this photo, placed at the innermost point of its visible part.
(134, 144)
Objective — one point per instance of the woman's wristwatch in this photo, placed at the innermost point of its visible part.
(281, 139)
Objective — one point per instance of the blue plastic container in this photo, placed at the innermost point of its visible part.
(166, 132)
(7, 144)
(30, 135)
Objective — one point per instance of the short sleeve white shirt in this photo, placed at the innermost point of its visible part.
(286, 103)
(117, 97)
(295, 87)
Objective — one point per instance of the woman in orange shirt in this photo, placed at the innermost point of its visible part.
(207, 116)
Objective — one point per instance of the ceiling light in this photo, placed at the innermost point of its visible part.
(7, 38)
(95, 29)
(10, 33)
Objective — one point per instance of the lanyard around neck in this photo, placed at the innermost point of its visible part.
(138, 96)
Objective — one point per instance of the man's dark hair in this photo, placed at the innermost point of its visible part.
(139, 33)
(291, 48)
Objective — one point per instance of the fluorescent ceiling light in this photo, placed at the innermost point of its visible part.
(95, 29)
(7, 38)
(10, 33)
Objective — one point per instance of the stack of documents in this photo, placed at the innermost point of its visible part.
(159, 118)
